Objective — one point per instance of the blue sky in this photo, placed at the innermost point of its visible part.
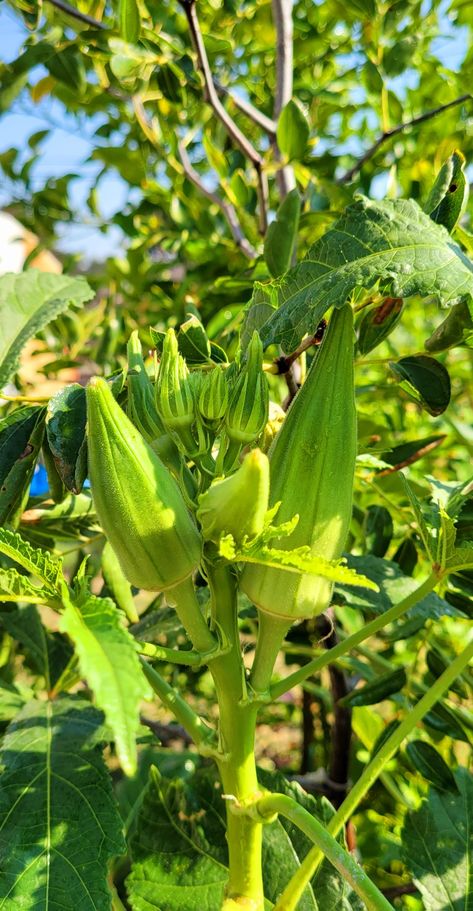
(64, 151)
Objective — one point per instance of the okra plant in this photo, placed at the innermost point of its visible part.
(208, 515)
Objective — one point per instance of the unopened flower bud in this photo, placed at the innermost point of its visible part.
(237, 505)
(213, 395)
(174, 393)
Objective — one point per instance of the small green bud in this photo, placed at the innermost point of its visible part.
(175, 394)
(138, 502)
(213, 395)
(141, 408)
(247, 412)
(237, 505)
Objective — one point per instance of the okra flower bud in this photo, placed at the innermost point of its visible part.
(213, 396)
(174, 393)
(141, 408)
(138, 502)
(247, 412)
(237, 505)
(312, 464)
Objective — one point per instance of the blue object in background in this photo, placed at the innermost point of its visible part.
(39, 484)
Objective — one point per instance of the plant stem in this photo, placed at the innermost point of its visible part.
(236, 759)
(271, 633)
(172, 655)
(355, 639)
(270, 804)
(296, 886)
(200, 732)
(184, 599)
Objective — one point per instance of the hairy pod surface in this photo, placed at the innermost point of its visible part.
(312, 465)
(237, 505)
(138, 502)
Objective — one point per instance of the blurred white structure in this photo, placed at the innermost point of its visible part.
(16, 244)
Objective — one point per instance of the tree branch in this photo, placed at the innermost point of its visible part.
(388, 134)
(76, 14)
(226, 208)
(211, 96)
(254, 114)
(282, 17)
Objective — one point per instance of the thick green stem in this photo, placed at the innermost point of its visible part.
(183, 598)
(282, 804)
(200, 732)
(295, 888)
(236, 761)
(352, 641)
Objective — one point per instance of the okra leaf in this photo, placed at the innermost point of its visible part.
(28, 302)
(46, 653)
(193, 342)
(109, 661)
(428, 761)
(293, 131)
(282, 234)
(456, 329)
(425, 380)
(449, 194)
(179, 864)
(15, 431)
(129, 20)
(53, 771)
(16, 483)
(40, 563)
(393, 587)
(297, 560)
(376, 690)
(391, 243)
(12, 699)
(65, 429)
(436, 842)
(16, 587)
(378, 323)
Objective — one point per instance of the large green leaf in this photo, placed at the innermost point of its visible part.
(58, 821)
(28, 301)
(180, 854)
(109, 660)
(438, 844)
(65, 429)
(392, 242)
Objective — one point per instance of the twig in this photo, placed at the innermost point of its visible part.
(254, 114)
(167, 733)
(226, 208)
(341, 727)
(76, 14)
(388, 134)
(282, 16)
(211, 96)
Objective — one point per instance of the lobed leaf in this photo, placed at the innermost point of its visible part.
(393, 243)
(109, 661)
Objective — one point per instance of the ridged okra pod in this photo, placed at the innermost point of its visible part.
(312, 464)
(138, 502)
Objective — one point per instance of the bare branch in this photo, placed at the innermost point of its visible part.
(388, 134)
(254, 114)
(211, 96)
(76, 14)
(226, 208)
(282, 16)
